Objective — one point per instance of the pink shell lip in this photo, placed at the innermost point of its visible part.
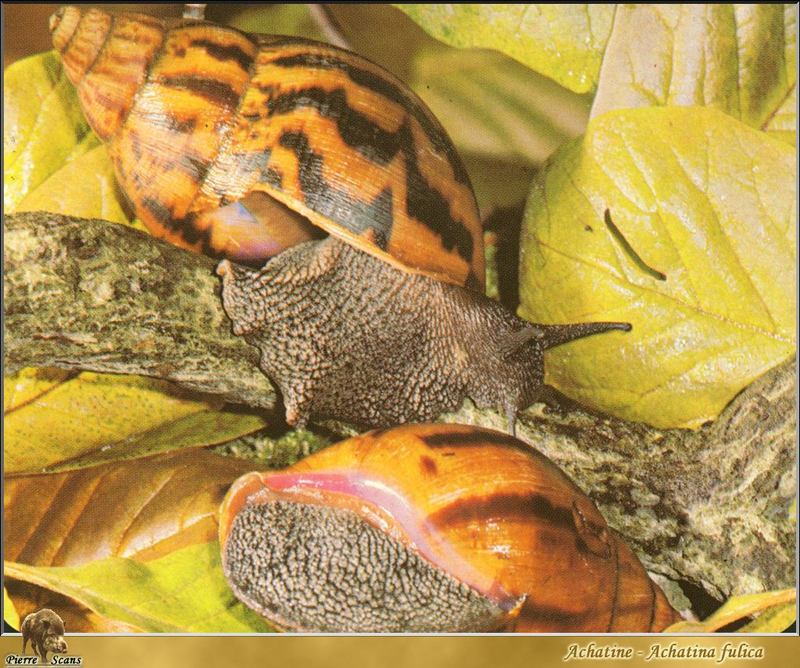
(395, 515)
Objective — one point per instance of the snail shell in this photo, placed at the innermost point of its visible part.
(216, 136)
(431, 528)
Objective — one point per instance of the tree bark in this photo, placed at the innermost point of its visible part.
(711, 507)
(86, 294)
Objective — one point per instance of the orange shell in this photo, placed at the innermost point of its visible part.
(492, 512)
(198, 116)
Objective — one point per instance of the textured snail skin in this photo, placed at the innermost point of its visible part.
(347, 336)
(390, 589)
(431, 528)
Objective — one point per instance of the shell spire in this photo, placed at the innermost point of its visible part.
(107, 58)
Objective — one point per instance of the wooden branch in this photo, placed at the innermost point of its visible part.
(709, 506)
(86, 294)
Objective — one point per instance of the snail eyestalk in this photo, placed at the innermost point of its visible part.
(556, 335)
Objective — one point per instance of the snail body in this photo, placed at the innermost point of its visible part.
(431, 528)
(249, 147)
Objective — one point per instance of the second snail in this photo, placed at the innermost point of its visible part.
(431, 528)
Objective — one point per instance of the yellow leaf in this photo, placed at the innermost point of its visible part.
(84, 187)
(697, 252)
(95, 417)
(184, 591)
(736, 58)
(29, 384)
(772, 608)
(10, 615)
(43, 127)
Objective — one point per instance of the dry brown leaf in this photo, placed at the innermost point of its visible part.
(139, 509)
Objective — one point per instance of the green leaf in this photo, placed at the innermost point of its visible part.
(110, 418)
(494, 107)
(737, 58)
(43, 127)
(695, 195)
(287, 19)
(563, 42)
(504, 118)
(183, 592)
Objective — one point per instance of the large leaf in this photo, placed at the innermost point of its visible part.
(737, 58)
(184, 591)
(93, 418)
(563, 42)
(97, 196)
(142, 509)
(43, 127)
(696, 196)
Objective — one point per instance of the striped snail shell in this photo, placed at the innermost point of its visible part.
(431, 528)
(230, 143)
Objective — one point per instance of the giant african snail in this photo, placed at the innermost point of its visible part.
(431, 528)
(243, 146)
